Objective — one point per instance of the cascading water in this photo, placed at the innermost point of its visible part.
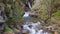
(46, 33)
(30, 26)
(29, 5)
(32, 29)
(40, 31)
(26, 14)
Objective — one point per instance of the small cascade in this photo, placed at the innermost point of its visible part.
(32, 28)
(29, 4)
(26, 14)
(40, 31)
(46, 33)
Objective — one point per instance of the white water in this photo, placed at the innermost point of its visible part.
(29, 5)
(26, 14)
(46, 33)
(35, 24)
(40, 31)
(32, 30)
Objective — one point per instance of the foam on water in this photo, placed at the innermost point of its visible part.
(46, 33)
(32, 30)
(39, 31)
(26, 14)
(26, 27)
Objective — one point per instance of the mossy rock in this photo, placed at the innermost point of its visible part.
(7, 29)
(7, 10)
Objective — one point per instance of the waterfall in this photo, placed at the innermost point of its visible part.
(36, 25)
(26, 16)
(46, 33)
(40, 31)
(29, 4)
(25, 27)
(32, 29)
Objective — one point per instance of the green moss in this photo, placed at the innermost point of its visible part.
(7, 10)
(58, 28)
(7, 29)
(57, 15)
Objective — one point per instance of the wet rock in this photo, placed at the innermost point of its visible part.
(16, 31)
(25, 32)
(55, 32)
(2, 25)
(40, 31)
(34, 16)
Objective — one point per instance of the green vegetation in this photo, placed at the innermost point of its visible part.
(57, 15)
(18, 8)
(7, 29)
